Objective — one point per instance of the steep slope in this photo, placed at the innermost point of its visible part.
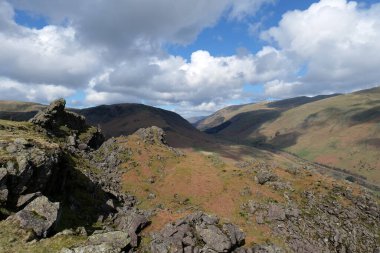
(341, 131)
(266, 110)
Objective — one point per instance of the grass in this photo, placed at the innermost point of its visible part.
(13, 240)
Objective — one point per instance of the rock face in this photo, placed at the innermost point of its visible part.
(55, 116)
(152, 135)
(60, 122)
(196, 233)
(40, 215)
(133, 223)
(29, 168)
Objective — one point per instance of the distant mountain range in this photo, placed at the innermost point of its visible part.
(337, 130)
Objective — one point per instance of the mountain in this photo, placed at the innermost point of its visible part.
(64, 188)
(339, 131)
(119, 119)
(194, 120)
(19, 111)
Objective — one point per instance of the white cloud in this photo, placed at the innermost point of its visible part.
(116, 52)
(243, 8)
(337, 41)
(204, 80)
(13, 90)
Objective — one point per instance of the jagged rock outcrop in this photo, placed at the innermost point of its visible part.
(40, 215)
(58, 121)
(29, 168)
(196, 233)
(152, 135)
(55, 116)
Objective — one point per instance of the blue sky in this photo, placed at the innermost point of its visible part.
(198, 58)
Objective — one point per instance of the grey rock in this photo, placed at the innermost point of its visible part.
(131, 222)
(152, 135)
(99, 248)
(82, 146)
(3, 194)
(117, 239)
(269, 249)
(40, 215)
(276, 212)
(264, 176)
(215, 238)
(235, 234)
(198, 232)
(26, 199)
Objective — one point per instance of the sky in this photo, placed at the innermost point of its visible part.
(192, 57)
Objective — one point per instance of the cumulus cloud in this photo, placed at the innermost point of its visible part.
(13, 90)
(336, 41)
(116, 52)
(203, 80)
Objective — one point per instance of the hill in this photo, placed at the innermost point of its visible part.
(119, 119)
(19, 111)
(339, 131)
(135, 193)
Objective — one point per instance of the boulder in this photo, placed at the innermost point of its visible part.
(23, 200)
(152, 135)
(40, 215)
(102, 242)
(197, 232)
(235, 234)
(131, 222)
(215, 238)
(117, 239)
(264, 176)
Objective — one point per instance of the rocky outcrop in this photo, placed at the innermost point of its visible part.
(264, 176)
(29, 168)
(152, 135)
(197, 232)
(131, 222)
(62, 123)
(40, 216)
(55, 116)
(103, 242)
(323, 224)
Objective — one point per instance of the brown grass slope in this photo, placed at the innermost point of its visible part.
(340, 131)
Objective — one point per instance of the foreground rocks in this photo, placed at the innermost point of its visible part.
(197, 232)
(103, 242)
(29, 168)
(40, 216)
